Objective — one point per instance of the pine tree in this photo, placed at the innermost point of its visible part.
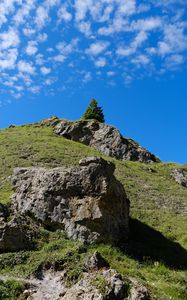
(94, 112)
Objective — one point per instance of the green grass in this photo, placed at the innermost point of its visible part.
(10, 289)
(156, 251)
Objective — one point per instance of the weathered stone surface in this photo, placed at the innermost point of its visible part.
(104, 138)
(14, 235)
(86, 201)
(180, 176)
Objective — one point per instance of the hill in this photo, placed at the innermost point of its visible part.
(156, 253)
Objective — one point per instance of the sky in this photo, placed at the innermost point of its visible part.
(130, 55)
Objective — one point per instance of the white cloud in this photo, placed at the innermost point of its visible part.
(174, 40)
(85, 28)
(45, 71)
(26, 67)
(31, 48)
(8, 59)
(28, 31)
(40, 59)
(174, 61)
(148, 24)
(64, 14)
(101, 62)
(9, 39)
(24, 11)
(140, 38)
(38, 38)
(141, 60)
(67, 48)
(59, 58)
(41, 17)
(42, 37)
(34, 89)
(110, 73)
(87, 77)
(97, 48)
(81, 8)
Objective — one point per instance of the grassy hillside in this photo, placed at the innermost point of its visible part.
(156, 253)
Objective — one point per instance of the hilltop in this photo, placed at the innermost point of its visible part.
(156, 252)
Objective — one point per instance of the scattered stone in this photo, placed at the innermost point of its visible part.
(99, 285)
(104, 138)
(86, 201)
(180, 176)
(96, 262)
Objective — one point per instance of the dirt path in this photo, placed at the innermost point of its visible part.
(50, 287)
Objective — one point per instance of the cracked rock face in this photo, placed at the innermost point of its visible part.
(104, 138)
(86, 201)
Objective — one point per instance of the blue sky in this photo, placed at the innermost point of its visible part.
(130, 55)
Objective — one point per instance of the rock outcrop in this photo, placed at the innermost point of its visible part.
(104, 138)
(86, 201)
(180, 176)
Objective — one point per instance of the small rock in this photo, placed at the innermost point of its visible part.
(96, 262)
(139, 293)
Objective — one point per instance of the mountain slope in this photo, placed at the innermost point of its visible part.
(156, 251)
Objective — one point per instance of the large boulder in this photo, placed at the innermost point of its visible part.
(86, 201)
(104, 138)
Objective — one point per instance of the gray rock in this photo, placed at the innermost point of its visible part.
(86, 201)
(96, 262)
(15, 235)
(139, 293)
(180, 176)
(104, 138)
(100, 285)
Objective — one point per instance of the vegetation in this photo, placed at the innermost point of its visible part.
(10, 289)
(94, 112)
(156, 253)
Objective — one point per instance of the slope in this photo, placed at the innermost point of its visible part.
(156, 251)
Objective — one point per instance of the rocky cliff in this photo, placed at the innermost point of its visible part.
(104, 138)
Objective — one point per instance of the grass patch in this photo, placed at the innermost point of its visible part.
(10, 289)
